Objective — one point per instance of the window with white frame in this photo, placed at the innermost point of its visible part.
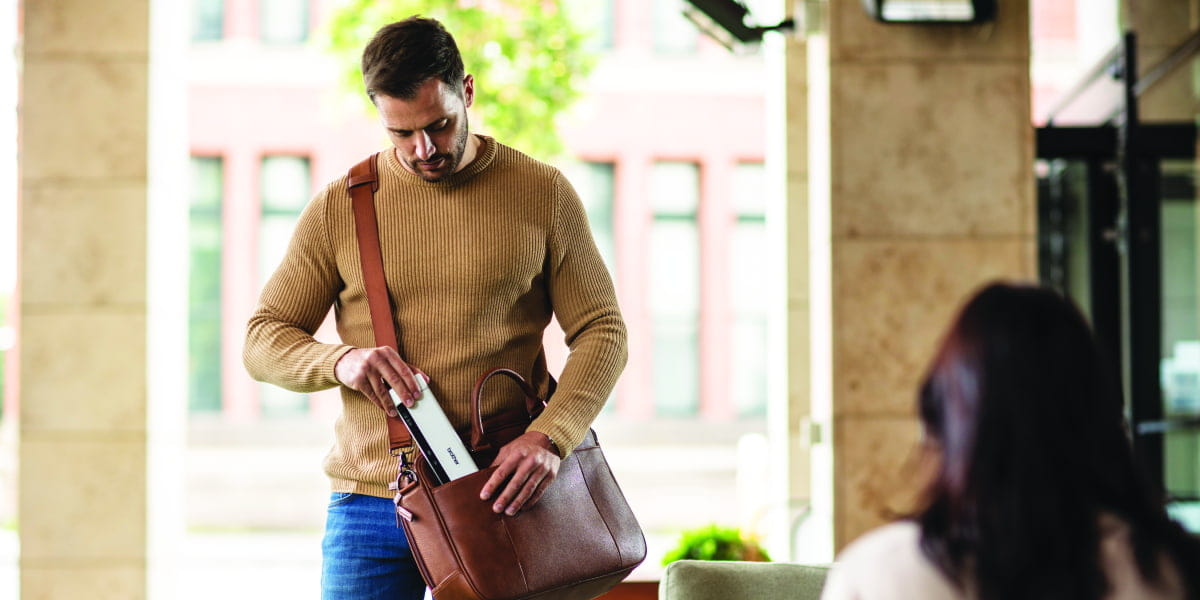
(204, 283)
(748, 291)
(673, 32)
(283, 21)
(285, 184)
(594, 182)
(595, 18)
(208, 20)
(674, 287)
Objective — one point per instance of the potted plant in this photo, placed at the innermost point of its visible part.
(716, 543)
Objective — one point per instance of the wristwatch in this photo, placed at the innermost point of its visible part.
(553, 445)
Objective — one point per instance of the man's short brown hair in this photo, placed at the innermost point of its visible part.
(406, 54)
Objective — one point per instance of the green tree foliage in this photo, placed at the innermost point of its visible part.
(715, 543)
(528, 58)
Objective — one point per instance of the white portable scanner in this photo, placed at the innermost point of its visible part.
(445, 452)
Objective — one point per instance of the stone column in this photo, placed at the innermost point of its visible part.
(83, 299)
(921, 190)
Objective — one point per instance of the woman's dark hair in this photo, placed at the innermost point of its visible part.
(1029, 426)
(406, 54)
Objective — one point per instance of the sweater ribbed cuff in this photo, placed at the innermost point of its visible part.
(329, 369)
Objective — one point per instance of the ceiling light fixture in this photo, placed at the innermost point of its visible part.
(942, 12)
(725, 22)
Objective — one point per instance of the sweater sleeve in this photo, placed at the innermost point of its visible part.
(280, 347)
(585, 304)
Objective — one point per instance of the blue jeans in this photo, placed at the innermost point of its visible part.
(366, 557)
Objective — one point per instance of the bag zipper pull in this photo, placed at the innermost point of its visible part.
(401, 512)
(404, 474)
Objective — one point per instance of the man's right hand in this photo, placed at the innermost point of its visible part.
(372, 370)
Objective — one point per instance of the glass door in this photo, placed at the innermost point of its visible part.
(1084, 251)
(1179, 366)
(1119, 232)
(1077, 240)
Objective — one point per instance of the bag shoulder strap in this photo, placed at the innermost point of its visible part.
(363, 182)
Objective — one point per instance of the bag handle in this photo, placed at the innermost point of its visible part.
(533, 404)
(363, 182)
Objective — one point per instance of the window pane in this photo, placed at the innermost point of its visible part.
(283, 21)
(749, 297)
(285, 187)
(596, 19)
(207, 183)
(675, 188)
(274, 233)
(1063, 246)
(749, 275)
(204, 285)
(748, 383)
(748, 290)
(1180, 362)
(749, 190)
(208, 20)
(674, 268)
(594, 182)
(676, 366)
(674, 288)
(285, 183)
(673, 32)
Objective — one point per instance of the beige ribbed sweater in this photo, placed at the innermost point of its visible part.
(475, 265)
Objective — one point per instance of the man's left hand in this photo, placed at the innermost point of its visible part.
(529, 465)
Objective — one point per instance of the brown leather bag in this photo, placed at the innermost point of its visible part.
(576, 543)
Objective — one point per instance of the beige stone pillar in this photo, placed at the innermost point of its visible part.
(920, 190)
(83, 299)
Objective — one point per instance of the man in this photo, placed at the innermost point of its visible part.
(481, 245)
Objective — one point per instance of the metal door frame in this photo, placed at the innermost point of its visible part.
(1125, 233)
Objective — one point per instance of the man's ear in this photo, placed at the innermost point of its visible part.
(468, 90)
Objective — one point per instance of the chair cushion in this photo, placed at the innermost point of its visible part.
(723, 580)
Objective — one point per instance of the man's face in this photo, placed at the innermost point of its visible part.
(429, 130)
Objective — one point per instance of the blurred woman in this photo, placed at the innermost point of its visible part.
(1036, 492)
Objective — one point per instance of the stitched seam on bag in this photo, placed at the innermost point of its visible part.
(421, 566)
(459, 570)
(458, 560)
(611, 535)
(444, 580)
(513, 545)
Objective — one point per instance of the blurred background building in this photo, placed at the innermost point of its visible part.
(789, 227)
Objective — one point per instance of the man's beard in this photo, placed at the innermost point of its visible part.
(452, 158)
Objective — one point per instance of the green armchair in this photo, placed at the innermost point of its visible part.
(725, 580)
